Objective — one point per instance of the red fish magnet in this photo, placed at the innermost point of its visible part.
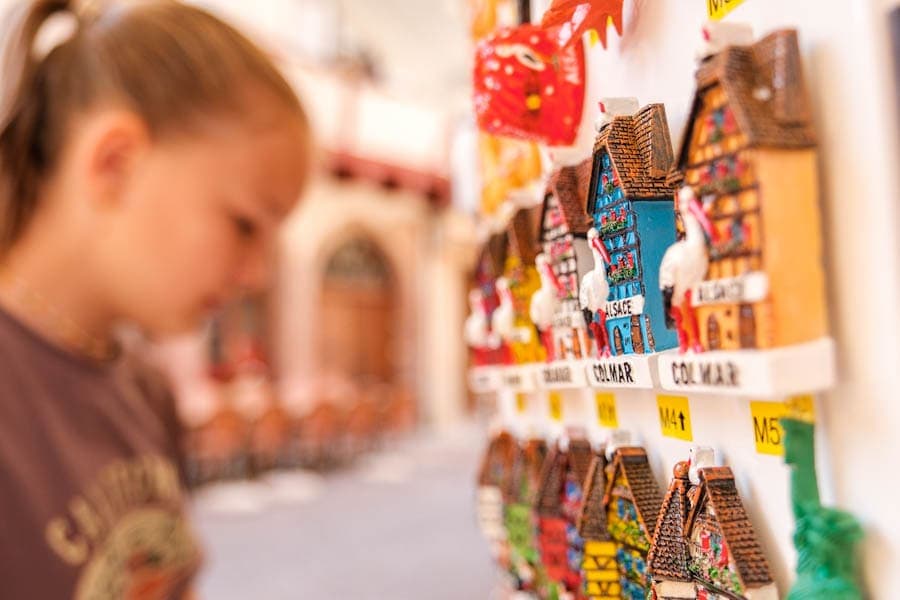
(527, 86)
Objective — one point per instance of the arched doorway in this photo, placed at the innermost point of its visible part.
(618, 342)
(637, 337)
(356, 346)
(356, 314)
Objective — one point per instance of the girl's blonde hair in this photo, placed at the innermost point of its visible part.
(169, 62)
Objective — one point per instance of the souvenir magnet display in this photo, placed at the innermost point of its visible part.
(745, 287)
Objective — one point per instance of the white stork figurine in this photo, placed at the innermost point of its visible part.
(478, 334)
(594, 292)
(701, 457)
(503, 321)
(545, 302)
(718, 35)
(683, 267)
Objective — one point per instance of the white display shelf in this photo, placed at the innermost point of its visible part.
(519, 378)
(631, 371)
(484, 380)
(776, 373)
(562, 375)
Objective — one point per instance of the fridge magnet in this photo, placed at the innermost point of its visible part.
(529, 81)
(496, 468)
(827, 540)
(599, 568)
(724, 555)
(630, 202)
(510, 170)
(744, 288)
(487, 352)
(667, 562)
(557, 506)
(632, 501)
(511, 321)
(521, 491)
(573, 18)
(566, 259)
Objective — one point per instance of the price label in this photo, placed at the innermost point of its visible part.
(556, 406)
(717, 9)
(802, 408)
(606, 410)
(521, 403)
(675, 417)
(767, 431)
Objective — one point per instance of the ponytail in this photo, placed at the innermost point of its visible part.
(170, 62)
(25, 147)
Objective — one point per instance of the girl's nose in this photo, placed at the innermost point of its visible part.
(255, 272)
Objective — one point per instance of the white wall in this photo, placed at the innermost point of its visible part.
(847, 70)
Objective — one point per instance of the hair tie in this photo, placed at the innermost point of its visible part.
(56, 30)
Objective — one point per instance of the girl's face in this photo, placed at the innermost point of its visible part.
(194, 218)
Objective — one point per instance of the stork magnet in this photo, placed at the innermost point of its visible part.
(487, 349)
(745, 288)
(564, 261)
(630, 202)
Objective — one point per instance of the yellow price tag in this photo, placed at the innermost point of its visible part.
(802, 408)
(767, 431)
(675, 417)
(521, 403)
(556, 406)
(606, 410)
(717, 9)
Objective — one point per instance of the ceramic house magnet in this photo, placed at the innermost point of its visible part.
(557, 506)
(667, 562)
(496, 467)
(485, 348)
(564, 261)
(725, 557)
(599, 569)
(520, 494)
(632, 501)
(520, 282)
(745, 287)
(630, 202)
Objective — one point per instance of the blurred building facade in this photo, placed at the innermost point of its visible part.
(357, 341)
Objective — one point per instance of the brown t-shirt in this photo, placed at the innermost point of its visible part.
(91, 501)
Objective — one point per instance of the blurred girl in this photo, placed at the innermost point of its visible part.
(148, 152)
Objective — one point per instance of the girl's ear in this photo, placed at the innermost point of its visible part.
(112, 145)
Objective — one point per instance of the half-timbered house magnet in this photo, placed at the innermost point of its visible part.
(565, 259)
(496, 468)
(630, 202)
(558, 506)
(487, 351)
(704, 546)
(599, 569)
(511, 321)
(519, 517)
(745, 286)
(631, 502)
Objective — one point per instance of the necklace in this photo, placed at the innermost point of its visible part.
(62, 328)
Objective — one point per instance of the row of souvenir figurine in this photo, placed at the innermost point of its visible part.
(713, 252)
(571, 522)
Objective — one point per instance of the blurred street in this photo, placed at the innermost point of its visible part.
(399, 524)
